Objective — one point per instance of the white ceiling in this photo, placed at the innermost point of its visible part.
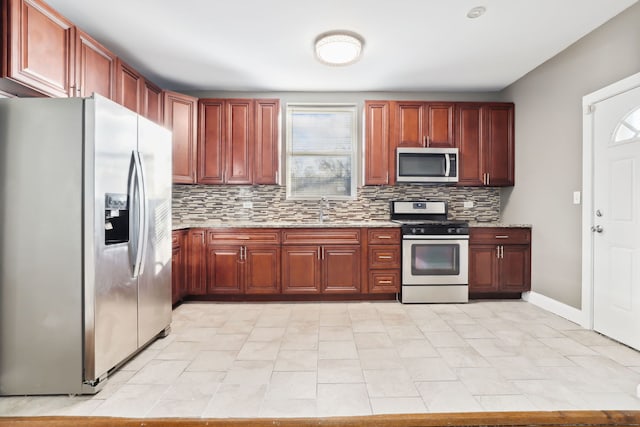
(267, 45)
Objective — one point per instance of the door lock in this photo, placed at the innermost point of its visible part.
(596, 228)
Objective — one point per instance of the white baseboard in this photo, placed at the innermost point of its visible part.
(561, 309)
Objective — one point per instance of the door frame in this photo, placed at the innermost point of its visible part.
(588, 147)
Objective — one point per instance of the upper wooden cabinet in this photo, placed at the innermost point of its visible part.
(38, 47)
(485, 138)
(180, 117)
(424, 124)
(267, 141)
(152, 102)
(129, 84)
(238, 141)
(95, 68)
(378, 161)
(483, 133)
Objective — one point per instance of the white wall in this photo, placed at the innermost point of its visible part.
(549, 148)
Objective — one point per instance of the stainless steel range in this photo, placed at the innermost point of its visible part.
(435, 253)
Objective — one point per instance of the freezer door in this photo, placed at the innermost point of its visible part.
(154, 286)
(111, 236)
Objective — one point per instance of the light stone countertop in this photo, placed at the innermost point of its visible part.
(282, 224)
(497, 224)
(345, 224)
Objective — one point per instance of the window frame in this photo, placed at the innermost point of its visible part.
(324, 108)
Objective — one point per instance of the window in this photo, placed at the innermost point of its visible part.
(321, 147)
(629, 128)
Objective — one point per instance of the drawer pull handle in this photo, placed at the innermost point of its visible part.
(242, 237)
(385, 257)
(384, 237)
(502, 237)
(384, 282)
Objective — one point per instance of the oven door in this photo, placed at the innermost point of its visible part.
(435, 260)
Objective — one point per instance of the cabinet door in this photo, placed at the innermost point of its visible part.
(224, 270)
(483, 268)
(178, 276)
(301, 269)
(499, 144)
(196, 262)
(95, 67)
(267, 142)
(211, 146)
(469, 141)
(128, 87)
(152, 102)
(409, 125)
(377, 150)
(180, 118)
(40, 47)
(262, 270)
(515, 273)
(239, 137)
(176, 273)
(439, 125)
(340, 269)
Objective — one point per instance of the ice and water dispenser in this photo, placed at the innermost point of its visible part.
(116, 218)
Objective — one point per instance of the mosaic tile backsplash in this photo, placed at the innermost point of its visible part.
(194, 203)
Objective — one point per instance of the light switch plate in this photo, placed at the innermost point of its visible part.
(576, 197)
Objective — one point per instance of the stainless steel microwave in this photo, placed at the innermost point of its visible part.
(424, 165)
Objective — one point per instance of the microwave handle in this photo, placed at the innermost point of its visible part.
(447, 164)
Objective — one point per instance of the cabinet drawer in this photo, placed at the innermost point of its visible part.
(499, 236)
(314, 236)
(383, 236)
(384, 256)
(384, 281)
(241, 236)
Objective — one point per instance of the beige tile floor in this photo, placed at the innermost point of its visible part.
(330, 359)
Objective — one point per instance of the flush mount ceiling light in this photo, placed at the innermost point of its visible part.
(476, 12)
(338, 47)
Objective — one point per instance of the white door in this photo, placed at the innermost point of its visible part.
(616, 217)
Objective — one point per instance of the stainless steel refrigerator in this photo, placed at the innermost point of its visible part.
(85, 241)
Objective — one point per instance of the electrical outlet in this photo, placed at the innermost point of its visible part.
(247, 205)
(576, 197)
(468, 204)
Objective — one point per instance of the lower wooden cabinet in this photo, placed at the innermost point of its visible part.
(178, 270)
(243, 262)
(318, 269)
(383, 260)
(196, 261)
(317, 261)
(499, 261)
(261, 261)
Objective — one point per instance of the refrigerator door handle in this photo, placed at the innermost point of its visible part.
(144, 214)
(140, 207)
(134, 222)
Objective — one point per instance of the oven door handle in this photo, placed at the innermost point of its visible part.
(443, 237)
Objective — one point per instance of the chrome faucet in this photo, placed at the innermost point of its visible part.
(323, 202)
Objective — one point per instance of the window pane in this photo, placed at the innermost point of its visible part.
(321, 151)
(321, 132)
(320, 175)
